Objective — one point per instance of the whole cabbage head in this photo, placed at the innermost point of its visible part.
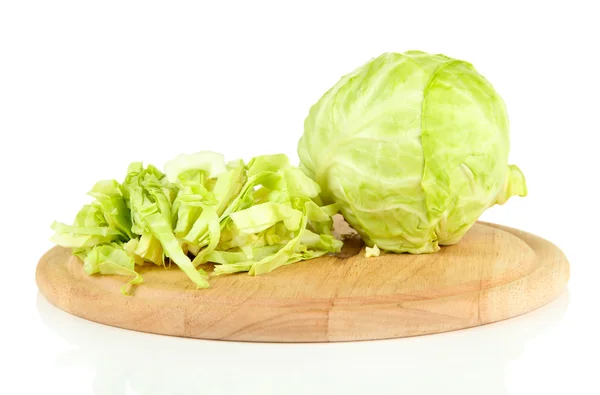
(413, 147)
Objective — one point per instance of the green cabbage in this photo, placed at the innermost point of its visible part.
(252, 217)
(413, 147)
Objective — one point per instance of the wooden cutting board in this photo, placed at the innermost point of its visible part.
(493, 274)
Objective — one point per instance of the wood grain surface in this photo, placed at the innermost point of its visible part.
(493, 274)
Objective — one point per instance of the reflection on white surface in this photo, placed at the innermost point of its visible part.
(471, 361)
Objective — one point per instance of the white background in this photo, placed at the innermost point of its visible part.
(88, 86)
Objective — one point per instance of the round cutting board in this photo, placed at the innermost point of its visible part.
(492, 274)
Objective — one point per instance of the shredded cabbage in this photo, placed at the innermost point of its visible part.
(244, 217)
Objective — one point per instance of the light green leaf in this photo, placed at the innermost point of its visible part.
(299, 185)
(258, 218)
(210, 217)
(148, 248)
(267, 163)
(111, 259)
(211, 162)
(372, 252)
